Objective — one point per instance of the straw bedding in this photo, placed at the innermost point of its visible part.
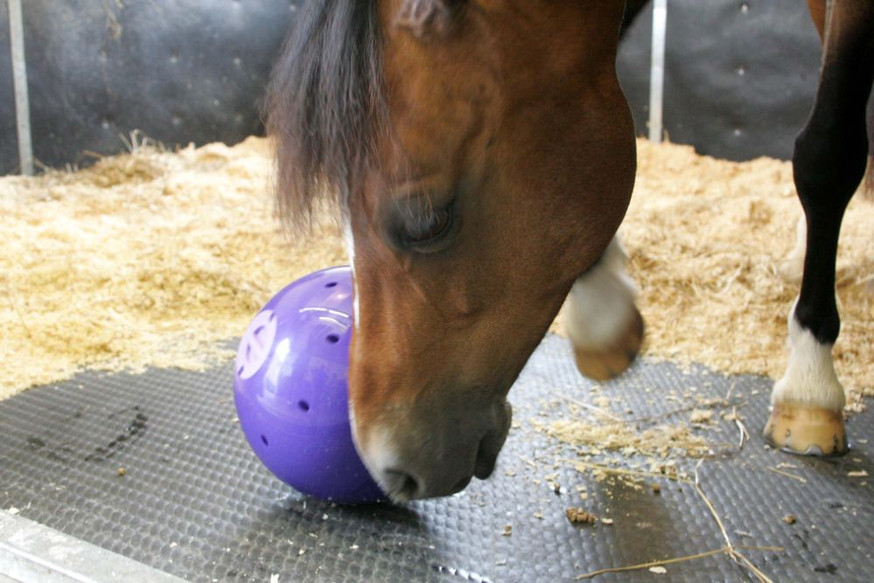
(154, 258)
(708, 240)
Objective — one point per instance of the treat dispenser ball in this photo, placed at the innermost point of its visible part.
(291, 391)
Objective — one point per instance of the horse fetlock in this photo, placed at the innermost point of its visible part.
(606, 363)
(806, 430)
(602, 319)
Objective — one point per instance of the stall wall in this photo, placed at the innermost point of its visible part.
(182, 71)
(740, 74)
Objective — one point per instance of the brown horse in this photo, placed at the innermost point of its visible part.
(482, 155)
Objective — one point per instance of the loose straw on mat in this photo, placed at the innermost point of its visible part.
(729, 549)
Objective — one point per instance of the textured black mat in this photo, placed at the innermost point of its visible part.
(195, 501)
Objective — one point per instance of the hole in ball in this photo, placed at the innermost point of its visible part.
(331, 284)
(264, 439)
(304, 406)
(332, 338)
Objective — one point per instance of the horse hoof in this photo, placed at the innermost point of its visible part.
(603, 365)
(806, 430)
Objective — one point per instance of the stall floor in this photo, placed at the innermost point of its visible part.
(194, 501)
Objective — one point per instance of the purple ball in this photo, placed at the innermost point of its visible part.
(291, 391)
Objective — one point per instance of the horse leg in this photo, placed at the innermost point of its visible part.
(601, 319)
(828, 163)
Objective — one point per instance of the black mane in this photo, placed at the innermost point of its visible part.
(325, 105)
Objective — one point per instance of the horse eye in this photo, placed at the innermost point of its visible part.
(428, 227)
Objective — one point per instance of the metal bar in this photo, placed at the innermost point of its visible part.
(657, 70)
(19, 82)
(33, 552)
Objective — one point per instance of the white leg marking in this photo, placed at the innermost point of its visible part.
(792, 268)
(601, 302)
(810, 378)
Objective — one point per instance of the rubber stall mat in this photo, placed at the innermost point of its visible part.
(195, 502)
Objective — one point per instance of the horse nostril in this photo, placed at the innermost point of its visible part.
(401, 485)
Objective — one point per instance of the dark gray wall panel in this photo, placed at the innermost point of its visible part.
(182, 71)
(740, 76)
(194, 71)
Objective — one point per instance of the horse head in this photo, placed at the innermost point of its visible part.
(482, 157)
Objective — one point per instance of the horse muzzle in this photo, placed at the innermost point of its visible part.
(430, 452)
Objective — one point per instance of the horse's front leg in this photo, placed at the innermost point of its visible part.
(829, 162)
(601, 319)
